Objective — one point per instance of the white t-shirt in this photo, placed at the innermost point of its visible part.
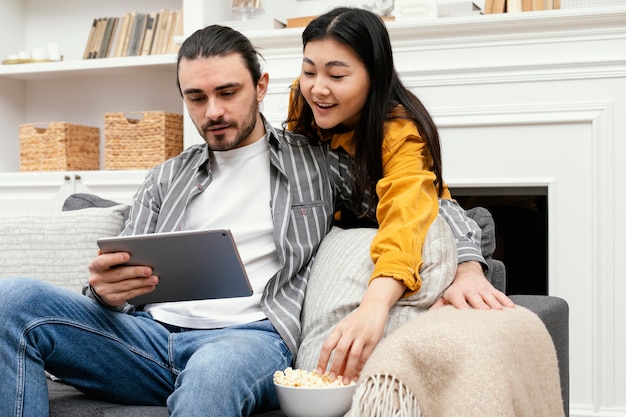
(238, 199)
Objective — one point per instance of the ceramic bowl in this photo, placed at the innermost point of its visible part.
(331, 401)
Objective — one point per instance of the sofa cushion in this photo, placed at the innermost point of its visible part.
(339, 277)
(55, 247)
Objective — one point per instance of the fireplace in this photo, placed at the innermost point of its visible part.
(521, 225)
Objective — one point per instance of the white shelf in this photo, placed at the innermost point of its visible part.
(476, 25)
(435, 32)
(87, 67)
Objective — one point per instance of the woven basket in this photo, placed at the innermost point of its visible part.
(141, 140)
(59, 147)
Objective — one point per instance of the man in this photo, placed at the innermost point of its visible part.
(208, 357)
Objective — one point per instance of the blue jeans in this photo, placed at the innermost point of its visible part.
(129, 358)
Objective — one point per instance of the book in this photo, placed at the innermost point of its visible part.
(527, 5)
(97, 39)
(166, 28)
(297, 22)
(514, 6)
(137, 32)
(494, 6)
(168, 32)
(105, 44)
(161, 31)
(538, 5)
(151, 24)
(117, 36)
(167, 35)
(177, 30)
(127, 36)
(116, 24)
(131, 18)
(90, 39)
(122, 35)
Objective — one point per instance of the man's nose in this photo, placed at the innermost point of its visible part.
(214, 110)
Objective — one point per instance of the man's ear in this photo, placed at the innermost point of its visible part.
(261, 86)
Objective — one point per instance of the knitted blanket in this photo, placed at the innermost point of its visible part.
(463, 363)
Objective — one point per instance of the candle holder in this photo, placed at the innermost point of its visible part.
(246, 8)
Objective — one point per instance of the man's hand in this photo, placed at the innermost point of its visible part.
(471, 289)
(116, 284)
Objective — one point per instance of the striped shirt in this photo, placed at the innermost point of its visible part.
(301, 205)
(467, 233)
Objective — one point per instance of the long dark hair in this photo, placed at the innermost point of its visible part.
(365, 33)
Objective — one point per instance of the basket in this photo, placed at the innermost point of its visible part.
(141, 140)
(60, 146)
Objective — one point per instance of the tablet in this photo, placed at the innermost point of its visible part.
(191, 265)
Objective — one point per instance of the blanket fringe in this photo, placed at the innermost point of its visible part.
(384, 396)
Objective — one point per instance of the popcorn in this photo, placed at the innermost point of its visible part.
(305, 379)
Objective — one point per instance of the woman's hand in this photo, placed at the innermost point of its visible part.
(354, 338)
(115, 284)
(471, 289)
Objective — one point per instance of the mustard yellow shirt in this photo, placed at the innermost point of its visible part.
(408, 202)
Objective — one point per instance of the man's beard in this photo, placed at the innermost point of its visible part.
(218, 142)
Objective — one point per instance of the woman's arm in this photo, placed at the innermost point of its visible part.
(354, 338)
(406, 209)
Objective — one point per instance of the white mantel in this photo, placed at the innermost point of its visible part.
(530, 100)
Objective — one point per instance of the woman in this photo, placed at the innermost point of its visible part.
(349, 94)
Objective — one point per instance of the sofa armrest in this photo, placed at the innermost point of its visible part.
(554, 313)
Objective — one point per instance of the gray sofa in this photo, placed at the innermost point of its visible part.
(66, 401)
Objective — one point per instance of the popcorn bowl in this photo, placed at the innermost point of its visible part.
(328, 401)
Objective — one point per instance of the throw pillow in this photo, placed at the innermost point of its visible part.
(339, 277)
(55, 247)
